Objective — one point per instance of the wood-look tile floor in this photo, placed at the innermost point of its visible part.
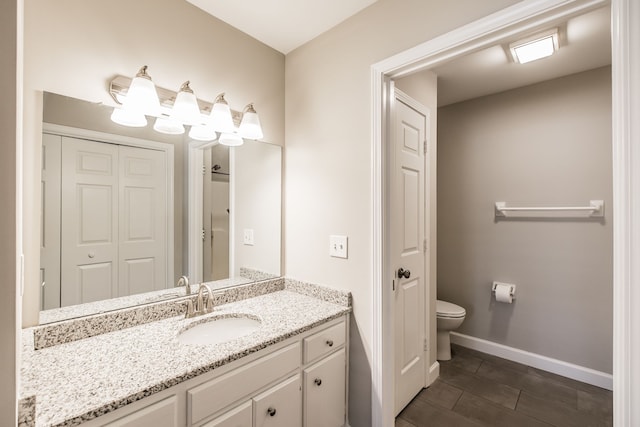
(477, 389)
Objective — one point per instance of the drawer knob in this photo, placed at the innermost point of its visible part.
(271, 411)
(330, 343)
(317, 382)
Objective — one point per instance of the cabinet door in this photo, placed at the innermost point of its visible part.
(237, 417)
(280, 406)
(159, 414)
(324, 391)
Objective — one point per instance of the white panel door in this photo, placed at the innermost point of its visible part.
(50, 221)
(407, 254)
(142, 221)
(89, 222)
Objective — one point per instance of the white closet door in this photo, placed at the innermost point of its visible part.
(143, 221)
(89, 246)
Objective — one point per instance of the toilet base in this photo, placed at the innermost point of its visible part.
(443, 349)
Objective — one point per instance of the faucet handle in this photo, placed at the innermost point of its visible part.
(190, 312)
(209, 305)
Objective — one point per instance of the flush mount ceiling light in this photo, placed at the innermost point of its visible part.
(535, 47)
(250, 126)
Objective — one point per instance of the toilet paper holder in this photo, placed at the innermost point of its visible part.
(512, 288)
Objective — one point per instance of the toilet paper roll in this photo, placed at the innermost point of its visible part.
(503, 294)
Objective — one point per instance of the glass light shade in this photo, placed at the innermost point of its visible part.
(185, 108)
(142, 97)
(250, 125)
(221, 119)
(168, 126)
(202, 133)
(230, 139)
(128, 118)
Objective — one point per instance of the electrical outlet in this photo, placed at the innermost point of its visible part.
(248, 237)
(338, 246)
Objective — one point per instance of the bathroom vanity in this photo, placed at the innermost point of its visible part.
(290, 371)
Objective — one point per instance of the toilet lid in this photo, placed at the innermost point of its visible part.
(447, 309)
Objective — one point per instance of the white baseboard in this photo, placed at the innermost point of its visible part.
(433, 374)
(569, 370)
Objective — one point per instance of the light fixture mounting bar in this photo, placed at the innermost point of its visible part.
(119, 86)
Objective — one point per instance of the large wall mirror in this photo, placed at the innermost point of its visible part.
(127, 211)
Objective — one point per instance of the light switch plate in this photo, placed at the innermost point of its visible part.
(338, 246)
(248, 237)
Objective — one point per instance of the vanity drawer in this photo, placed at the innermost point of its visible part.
(159, 414)
(324, 342)
(240, 416)
(212, 396)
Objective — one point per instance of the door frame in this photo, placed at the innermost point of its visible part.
(625, 136)
(109, 138)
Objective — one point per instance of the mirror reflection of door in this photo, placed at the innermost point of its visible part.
(106, 234)
(216, 213)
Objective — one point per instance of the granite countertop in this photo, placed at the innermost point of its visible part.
(80, 380)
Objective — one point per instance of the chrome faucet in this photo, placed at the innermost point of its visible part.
(204, 303)
(184, 281)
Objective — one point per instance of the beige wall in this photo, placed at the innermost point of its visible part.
(549, 143)
(327, 157)
(10, 80)
(423, 87)
(74, 48)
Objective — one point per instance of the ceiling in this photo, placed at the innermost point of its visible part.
(286, 24)
(282, 24)
(584, 45)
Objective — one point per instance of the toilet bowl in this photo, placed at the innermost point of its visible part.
(448, 317)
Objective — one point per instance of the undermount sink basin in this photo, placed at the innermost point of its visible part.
(218, 330)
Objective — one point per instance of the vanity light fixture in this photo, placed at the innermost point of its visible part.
(230, 139)
(185, 108)
(535, 47)
(220, 118)
(203, 133)
(250, 126)
(164, 124)
(175, 110)
(142, 97)
(128, 118)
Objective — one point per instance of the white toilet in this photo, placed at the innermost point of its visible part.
(449, 317)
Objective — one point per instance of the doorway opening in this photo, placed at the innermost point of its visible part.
(475, 36)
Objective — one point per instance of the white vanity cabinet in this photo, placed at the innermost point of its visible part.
(324, 392)
(301, 381)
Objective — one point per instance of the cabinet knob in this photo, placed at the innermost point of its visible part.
(91, 254)
(271, 411)
(330, 343)
(317, 382)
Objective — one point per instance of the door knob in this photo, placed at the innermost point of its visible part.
(403, 273)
